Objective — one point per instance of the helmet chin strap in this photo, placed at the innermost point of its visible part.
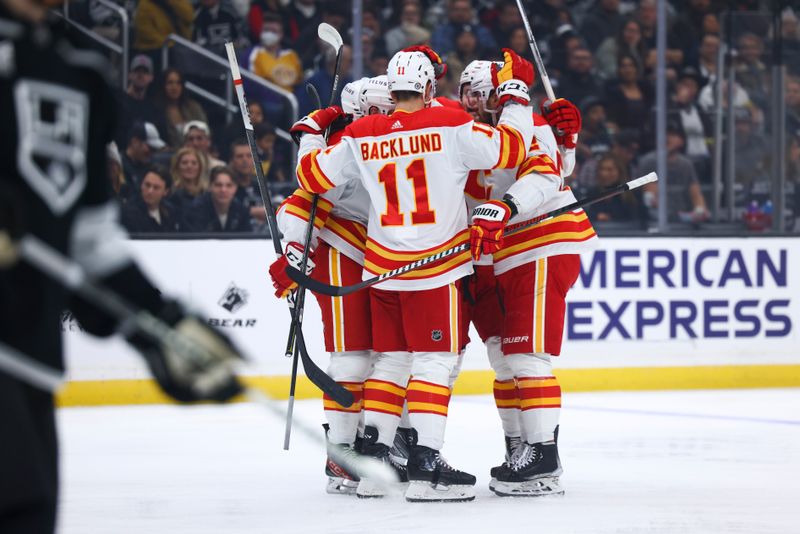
(429, 90)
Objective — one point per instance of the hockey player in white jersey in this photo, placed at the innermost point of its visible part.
(414, 165)
(338, 245)
(531, 273)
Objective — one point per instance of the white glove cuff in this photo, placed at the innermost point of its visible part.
(514, 88)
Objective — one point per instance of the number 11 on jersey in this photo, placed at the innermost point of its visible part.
(415, 171)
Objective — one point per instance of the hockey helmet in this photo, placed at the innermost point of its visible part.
(375, 92)
(351, 98)
(410, 71)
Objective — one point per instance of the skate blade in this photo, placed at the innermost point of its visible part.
(540, 487)
(420, 491)
(493, 483)
(368, 489)
(341, 486)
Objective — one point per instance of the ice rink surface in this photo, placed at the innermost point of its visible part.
(665, 462)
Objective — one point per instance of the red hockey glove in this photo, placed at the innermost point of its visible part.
(280, 280)
(316, 122)
(565, 118)
(512, 80)
(486, 232)
(439, 66)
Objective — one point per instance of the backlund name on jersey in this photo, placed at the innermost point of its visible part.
(401, 146)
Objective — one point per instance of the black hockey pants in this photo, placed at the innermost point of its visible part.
(28, 459)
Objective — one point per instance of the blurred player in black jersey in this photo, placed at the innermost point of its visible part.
(55, 121)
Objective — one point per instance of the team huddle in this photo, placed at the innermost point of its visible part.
(402, 175)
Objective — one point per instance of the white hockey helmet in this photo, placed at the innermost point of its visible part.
(375, 92)
(480, 78)
(351, 98)
(410, 71)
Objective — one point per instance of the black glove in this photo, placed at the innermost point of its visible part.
(193, 361)
(12, 224)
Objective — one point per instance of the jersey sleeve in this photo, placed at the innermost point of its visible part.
(538, 179)
(320, 170)
(482, 146)
(294, 213)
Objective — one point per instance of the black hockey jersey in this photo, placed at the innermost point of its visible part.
(56, 117)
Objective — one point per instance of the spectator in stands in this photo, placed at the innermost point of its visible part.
(272, 167)
(189, 178)
(459, 13)
(301, 14)
(691, 24)
(695, 122)
(235, 129)
(594, 138)
(578, 81)
(410, 22)
(752, 150)
(707, 97)
(790, 32)
(518, 42)
(154, 20)
(255, 16)
(215, 25)
(135, 105)
(627, 41)
(707, 57)
(751, 72)
(379, 62)
(244, 174)
(603, 20)
(646, 15)
(630, 98)
(564, 41)
(626, 207)
(309, 46)
(322, 79)
(467, 49)
(270, 60)
(150, 212)
(506, 22)
(625, 146)
(143, 139)
(176, 108)
(197, 135)
(792, 99)
(685, 201)
(218, 210)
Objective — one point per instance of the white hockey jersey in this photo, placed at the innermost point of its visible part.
(537, 182)
(414, 167)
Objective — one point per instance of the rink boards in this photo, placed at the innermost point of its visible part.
(653, 313)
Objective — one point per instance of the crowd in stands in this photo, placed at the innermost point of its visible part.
(181, 163)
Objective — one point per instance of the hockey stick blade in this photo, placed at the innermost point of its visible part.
(322, 380)
(328, 33)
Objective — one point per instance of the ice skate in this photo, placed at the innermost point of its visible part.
(341, 481)
(533, 472)
(432, 479)
(368, 489)
(512, 444)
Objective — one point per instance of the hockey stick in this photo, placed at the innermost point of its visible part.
(314, 95)
(25, 368)
(313, 372)
(327, 33)
(338, 291)
(537, 57)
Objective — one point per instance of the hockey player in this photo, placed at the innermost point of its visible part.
(531, 272)
(57, 112)
(338, 258)
(414, 165)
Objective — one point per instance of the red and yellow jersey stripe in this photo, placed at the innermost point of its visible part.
(512, 148)
(356, 388)
(384, 397)
(573, 227)
(348, 237)
(299, 205)
(425, 397)
(539, 392)
(310, 176)
(379, 259)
